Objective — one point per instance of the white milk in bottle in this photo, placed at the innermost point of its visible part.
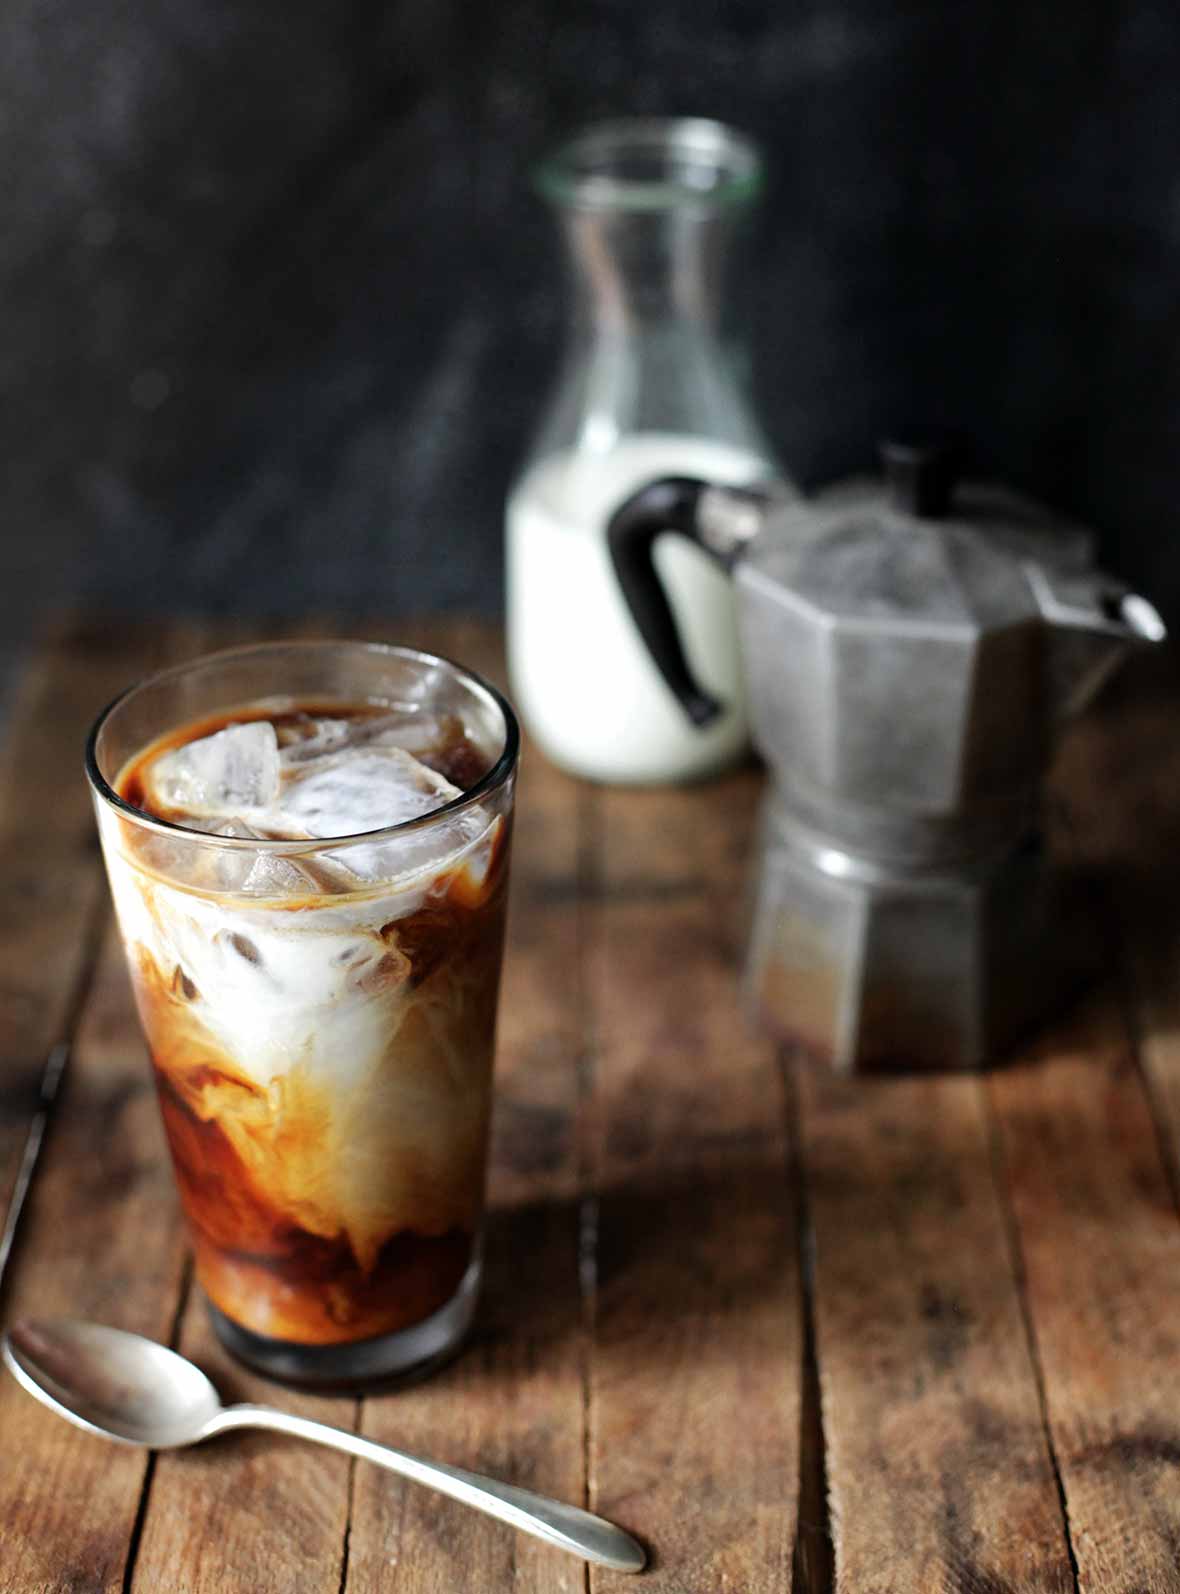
(582, 677)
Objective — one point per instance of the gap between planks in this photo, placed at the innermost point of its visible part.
(588, 813)
(697, 1351)
(935, 1450)
(812, 1564)
(172, 1341)
(1016, 1256)
(1119, 777)
(97, 915)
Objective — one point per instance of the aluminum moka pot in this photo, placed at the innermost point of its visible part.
(911, 649)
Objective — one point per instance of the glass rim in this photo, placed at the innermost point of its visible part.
(489, 782)
(577, 173)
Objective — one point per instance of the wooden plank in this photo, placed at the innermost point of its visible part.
(1101, 1251)
(54, 891)
(695, 1378)
(1118, 780)
(939, 1472)
(512, 1405)
(101, 1240)
(1093, 1196)
(100, 1237)
(248, 1513)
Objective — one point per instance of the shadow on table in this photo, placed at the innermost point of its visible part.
(661, 1245)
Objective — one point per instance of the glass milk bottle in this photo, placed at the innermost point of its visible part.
(648, 209)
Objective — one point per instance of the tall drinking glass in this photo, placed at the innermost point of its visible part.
(320, 1011)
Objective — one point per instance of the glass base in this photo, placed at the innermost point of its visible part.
(398, 1358)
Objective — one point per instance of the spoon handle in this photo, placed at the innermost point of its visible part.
(566, 1526)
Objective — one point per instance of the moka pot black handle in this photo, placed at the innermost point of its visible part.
(673, 504)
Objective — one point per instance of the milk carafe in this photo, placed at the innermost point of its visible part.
(648, 209)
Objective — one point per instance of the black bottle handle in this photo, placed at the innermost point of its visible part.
(669, 504)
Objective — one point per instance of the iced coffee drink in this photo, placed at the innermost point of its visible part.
(307, 846)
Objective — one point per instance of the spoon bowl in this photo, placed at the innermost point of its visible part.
(119, 1385)
(131, 1389)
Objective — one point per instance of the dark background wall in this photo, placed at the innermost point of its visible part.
(277, 310)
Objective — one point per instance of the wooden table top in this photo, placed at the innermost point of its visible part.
(797, 1332)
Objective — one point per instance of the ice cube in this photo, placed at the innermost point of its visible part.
(218, 776)
(411, 730)
(416, 731)
(272, 875)
(233, 826)
(358, 789)
(460, 837)
(313, 737)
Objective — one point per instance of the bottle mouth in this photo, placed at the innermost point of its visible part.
(653, 164)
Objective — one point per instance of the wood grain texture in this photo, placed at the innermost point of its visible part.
(695, 1392)
(939, 1473)
(641, 1339)
(101, 1236)
(54, 889)
(247, 1513)
(102, 1240)
(1119, 786)
(1101, 1250)
(1091, 1137)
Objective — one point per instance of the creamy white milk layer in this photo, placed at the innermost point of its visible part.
(277, 984)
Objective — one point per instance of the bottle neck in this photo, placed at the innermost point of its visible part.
(651, 348)
(636, 272)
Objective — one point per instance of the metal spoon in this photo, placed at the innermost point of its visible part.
(128, 1388)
